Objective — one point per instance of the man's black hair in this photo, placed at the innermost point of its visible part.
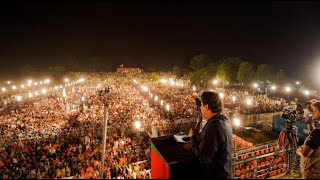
(213, 100)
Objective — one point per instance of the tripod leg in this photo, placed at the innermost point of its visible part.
(288, 163)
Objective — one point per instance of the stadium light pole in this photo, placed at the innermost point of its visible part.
(255, 86)
(137, 125)
(288, 89)
(273, 89)
(104, 134)
(249, 103)
(307, 94)
(64, 94)
(103, 156)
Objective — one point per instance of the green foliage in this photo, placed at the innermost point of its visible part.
(177, 71)
(198, 76)
(150, 69)
(233, 66)
(280, 76)
(264, 72)
(212, 69)
(246, 72)
(153, 76)
(199, 61)
(223, 72)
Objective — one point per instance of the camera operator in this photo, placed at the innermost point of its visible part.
(212, 146)
(310, 151)
(308, 115)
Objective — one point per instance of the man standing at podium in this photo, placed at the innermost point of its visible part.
(212, 146)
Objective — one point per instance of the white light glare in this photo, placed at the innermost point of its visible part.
(215, 82)
(137, 124)
(288, 89)
(307, 92)
(144, 88)
(43, 91)
(249, 101)
(19, 98)
(236, 122)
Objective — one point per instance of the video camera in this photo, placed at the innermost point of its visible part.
(289, 115)
(293, 115)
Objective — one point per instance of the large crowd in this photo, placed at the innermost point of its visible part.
(56, 136)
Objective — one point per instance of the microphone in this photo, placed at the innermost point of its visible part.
(198, 104)
(199, 119)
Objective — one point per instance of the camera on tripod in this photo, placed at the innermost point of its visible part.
(289, 115)
(288, 140)
(292, 116)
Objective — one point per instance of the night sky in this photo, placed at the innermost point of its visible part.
(284, 34)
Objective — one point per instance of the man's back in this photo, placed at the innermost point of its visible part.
(215, 148)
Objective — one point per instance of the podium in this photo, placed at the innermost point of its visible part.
(172, 160)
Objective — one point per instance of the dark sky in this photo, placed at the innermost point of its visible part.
(284, 33)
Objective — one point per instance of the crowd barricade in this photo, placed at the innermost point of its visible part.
(240, 143)
(253, 163)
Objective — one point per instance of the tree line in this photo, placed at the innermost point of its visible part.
(234, 70)
(201, 69)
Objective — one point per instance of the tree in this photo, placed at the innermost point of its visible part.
(212, 68)
(177, 71)
(223, 73)
(199, 76)
(246, 72)
(199, 61)
(280, 76)
(233, 65)
(150, 69)
(153, 76)
(264, 72)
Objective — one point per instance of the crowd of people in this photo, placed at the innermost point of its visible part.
(57, 135)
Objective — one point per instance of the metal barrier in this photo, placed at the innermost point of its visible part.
(253, 163)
